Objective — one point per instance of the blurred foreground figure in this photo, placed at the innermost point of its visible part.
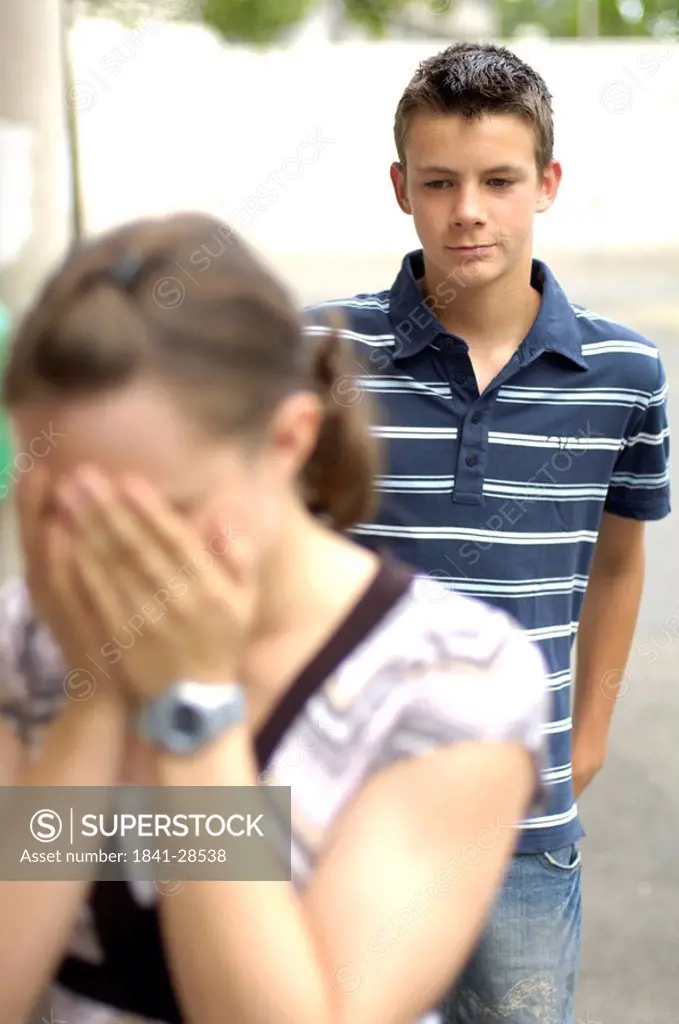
(191, 417)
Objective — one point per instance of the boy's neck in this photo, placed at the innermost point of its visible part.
(495, 316)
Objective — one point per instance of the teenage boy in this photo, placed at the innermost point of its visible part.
(526, 446)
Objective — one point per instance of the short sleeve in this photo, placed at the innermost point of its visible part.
(484, 682)
(31, 668)
(519, 675)
(505, 700)
(640, 485)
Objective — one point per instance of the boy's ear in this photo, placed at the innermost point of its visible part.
(551, 180)
(397, 173)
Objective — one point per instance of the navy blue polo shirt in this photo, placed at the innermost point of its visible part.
(500, 495)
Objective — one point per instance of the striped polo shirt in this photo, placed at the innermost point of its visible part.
(500, 495)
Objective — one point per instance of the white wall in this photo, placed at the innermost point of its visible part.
(170, 118)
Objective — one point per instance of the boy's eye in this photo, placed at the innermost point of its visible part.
(499, 183)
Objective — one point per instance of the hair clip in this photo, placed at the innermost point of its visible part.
(126, 270)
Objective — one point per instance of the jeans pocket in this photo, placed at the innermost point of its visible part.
(564, 861)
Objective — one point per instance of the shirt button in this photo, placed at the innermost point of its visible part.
(471, 460)
(476, 417)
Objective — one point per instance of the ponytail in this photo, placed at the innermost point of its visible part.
(339, 476)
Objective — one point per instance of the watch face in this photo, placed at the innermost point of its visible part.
(190, 714)
(187, 720)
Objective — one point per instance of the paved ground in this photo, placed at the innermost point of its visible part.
(630, 972)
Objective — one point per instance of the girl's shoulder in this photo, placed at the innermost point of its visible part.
(454, 664)
(436, 668)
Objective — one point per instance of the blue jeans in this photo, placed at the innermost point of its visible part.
(525, 966)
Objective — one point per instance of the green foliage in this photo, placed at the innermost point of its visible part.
(267, 21)
(254, 21)
(655, 14)
(373, 15)
(245, 21)
(560, 17)
(251, 21)
(557, 17)
(262, 21)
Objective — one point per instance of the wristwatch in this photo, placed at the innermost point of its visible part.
(190, 715)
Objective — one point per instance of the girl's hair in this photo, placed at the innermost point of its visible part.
(185, 302)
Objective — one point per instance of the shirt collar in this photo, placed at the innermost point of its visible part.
(416, 324)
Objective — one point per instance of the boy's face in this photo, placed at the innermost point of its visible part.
(473, 188)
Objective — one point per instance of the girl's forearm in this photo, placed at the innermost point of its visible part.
(84, 746)
(219, 934)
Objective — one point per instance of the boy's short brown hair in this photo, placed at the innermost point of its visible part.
(473, 80)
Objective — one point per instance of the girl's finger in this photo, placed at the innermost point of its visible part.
(67, 600)
(31, 501)
(110, 525)
(101, 593)
(158, 519)
(86, 510)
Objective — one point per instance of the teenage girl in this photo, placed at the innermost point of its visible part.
(184, 519)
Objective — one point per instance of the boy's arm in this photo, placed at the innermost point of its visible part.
(639, 492)
(607, 624)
